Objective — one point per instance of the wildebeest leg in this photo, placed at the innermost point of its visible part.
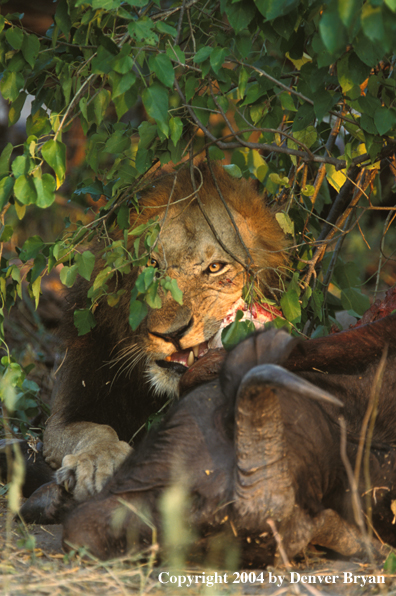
(333, 532)
(103, 525)
(49, 504)
(263, 482)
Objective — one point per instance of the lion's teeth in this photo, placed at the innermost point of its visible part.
(196, 351)
(190, 360)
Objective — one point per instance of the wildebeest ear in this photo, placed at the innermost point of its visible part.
(268, 347)
(263, 484)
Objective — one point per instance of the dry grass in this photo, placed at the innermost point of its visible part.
(46, 571)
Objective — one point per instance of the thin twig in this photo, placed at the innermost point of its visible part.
(374, 397)
(229, 212)
(208, 221)
(382, 243)
(356, 505)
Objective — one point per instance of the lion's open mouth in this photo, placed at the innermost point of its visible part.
(259, 314)
(189, 356)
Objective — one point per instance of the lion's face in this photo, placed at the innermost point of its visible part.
(208, 269)
(211, 282)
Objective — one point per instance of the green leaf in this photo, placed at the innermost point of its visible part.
(391, 4)
(85, 264)
(147, 133)
(30, 49)
(5, 160)
(369, 52)
(123, 217)
(163, 68)
(372, 23)
(15, 36)
(337, 178)
(38, 124)
(20, 211)
(45, 189)
(175, 53)
(215, 153)
(291, 306)
(54, 153)
(15, 109)
(137, 312)
(307, 136)
(203, 54)
(62, 18)
(145, 279)
(117, 142)
(353, 300)
(346, 275)
(68, 275)
(242, 82)
(152, 298)
(317, 304)
(22, 164)
(25, 191)
(176, 129)
(347, 9)
(287, 102)
(271, 9)
(199, 105)
(190, 87)
(323, 102)
(305, 115)
(142, 31)
(121, 84)
(332, 30)
(155, 100)
(11, 84)
(217, 58)
(233, 170)
(285, 223)
(6, 233)
(102, 63)
(122, 64)
(84, 321)
(367, 124)
(170, 285)
(31, 248)
(384, 120)
(39, 265)
(241, 14)
(390, 563)
(236, 332)
(6, 186)
(101, 103)
(138, 231)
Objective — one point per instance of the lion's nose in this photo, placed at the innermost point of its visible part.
(175, 336)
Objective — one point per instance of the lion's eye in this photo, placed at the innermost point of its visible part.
(152, 263)
(215, 267)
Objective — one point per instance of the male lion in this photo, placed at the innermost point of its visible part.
(113, 378)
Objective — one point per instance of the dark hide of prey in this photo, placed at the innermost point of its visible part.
(37, 471)
(260, 444)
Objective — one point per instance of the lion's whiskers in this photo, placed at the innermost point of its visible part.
(126, 360)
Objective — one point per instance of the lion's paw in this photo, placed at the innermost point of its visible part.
(84, 474)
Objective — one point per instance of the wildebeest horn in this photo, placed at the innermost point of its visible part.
(262, 471)
(272, 347)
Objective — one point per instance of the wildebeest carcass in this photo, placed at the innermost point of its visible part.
(259, 448)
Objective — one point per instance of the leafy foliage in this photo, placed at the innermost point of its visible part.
(297, 94)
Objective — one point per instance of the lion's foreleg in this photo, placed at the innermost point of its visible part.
(85, 455)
